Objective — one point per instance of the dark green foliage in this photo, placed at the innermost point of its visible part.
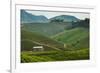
(54, 56)
(29, 39)
(75, 38)
(27, 45)
(82, 23)
(57, 20)
(64, 18)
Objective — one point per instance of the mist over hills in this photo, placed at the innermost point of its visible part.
(30, 18)
(65, 18)
(62, 38)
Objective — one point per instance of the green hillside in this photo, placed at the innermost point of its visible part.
(60, 38)
(77, 38)
(74, 38)
(30, 39)
(47, 29)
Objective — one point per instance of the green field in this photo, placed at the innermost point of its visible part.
(75, 38)
(59, 43)
(29, 56)
(47, 29)
(29, 39)
(54, 36)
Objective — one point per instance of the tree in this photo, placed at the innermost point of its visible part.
(57, 20)
(81, 23)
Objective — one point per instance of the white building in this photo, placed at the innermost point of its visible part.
(38, 48)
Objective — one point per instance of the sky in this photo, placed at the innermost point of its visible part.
(50, 14)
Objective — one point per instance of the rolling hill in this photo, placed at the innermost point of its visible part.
(47, 29)
(62, 38)
(29, 39)
(74, 38)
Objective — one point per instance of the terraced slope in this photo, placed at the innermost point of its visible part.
(47, 29)
(76, 38)
(29, 39)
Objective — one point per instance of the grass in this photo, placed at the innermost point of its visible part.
(75, 38)
(29, 39)
(47, 29)
(29, 56)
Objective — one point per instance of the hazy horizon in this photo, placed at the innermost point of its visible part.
(50, 14)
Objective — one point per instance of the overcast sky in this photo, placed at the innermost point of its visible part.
(50, 14)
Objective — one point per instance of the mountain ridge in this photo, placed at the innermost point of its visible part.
(65, 18)
(27, 17)
(30, 18)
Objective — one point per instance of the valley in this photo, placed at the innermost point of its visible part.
(60, 38)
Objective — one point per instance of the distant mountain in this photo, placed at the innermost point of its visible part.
(65, 18)
(30, 18)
